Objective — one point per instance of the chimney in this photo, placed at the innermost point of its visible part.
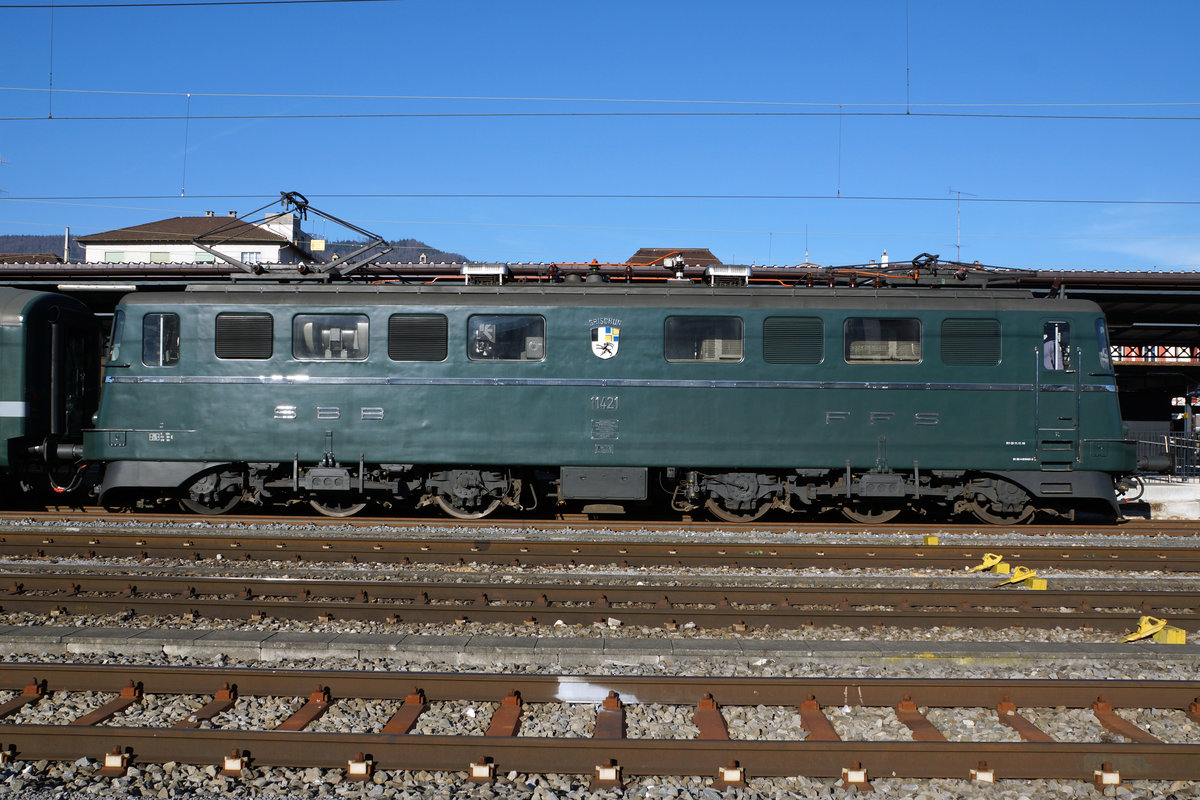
(208, 213)
(233, 213)
(67, 245)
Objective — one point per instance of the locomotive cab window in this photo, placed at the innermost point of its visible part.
(882, 341)
(1102, 344)
(160, 340)
(1056, 345)
(506, 337)
(114, 337)
(330, 337)
(704, 339)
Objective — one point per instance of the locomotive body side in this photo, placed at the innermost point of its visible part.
(739, 399)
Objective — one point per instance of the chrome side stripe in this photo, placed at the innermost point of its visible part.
(312, 380)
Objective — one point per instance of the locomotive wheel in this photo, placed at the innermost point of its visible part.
(1013, 507)
(983, 513)
(336, 508)
(210, 494)
(448, 505)
(869, 514)
(725, 515)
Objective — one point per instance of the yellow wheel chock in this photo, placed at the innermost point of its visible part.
(1147, 626)
(993, 562)
(1020, 575)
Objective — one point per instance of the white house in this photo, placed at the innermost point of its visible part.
(277, 240)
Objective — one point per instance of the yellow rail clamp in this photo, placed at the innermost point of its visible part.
(1147, 626)
(1022, 575)
(991, 561)
(930, 539)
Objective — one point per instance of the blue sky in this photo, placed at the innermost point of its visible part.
(754, 162)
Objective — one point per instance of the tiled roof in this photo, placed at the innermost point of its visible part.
(181, 230)
(693, 256)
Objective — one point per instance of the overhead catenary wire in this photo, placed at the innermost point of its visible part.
(647, 100)
(611, 114)
(186, 3)
(622, 196)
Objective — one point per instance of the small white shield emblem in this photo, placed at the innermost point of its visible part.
(605, 341)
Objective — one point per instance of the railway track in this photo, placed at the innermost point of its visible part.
(297, 516)
(65, 594)
(401, 547)
(139, 715)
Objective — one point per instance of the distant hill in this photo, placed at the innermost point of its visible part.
(33, 244)
(403, 250)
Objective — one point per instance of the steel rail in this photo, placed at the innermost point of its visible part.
(707, 606)
(581, 522)
(1026, 760)
(813, 756)
(405, 549)
(686, 690)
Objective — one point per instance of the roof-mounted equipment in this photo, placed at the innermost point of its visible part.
(486, 274)
(728, 274)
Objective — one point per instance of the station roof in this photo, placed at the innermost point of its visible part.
(182, 230)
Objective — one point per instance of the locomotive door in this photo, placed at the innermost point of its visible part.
(72, 379)
(1056, 398)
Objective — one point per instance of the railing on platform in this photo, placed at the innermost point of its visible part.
(1182, 449)
(1155, 354)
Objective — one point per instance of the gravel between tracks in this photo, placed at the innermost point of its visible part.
(41, 781)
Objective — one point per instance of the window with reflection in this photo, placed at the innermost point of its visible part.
(160, 340)
(506, 337)
(871, 340)
(330, 337)
(703, 339)
(1056, 346)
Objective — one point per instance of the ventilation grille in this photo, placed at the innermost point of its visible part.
(417, 337)
(971, 342)
(244, 336)
(793, 340)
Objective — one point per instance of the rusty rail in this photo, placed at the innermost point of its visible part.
(707, 606)
(584, 548)
(822, 754)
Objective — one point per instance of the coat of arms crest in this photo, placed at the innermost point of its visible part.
(605, 341)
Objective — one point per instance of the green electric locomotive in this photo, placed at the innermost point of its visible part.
(739, 400)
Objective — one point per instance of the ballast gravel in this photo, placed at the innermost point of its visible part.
(65, 781)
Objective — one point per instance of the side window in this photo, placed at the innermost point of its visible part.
(114, 336)
(703, 339)
(506, 337)
(330, 337)
(1056, 345)
(1102, 343)
(882, 341)
(417, 337)
(793, 340)
(249, 336)
(160, 340)
(971, 342)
